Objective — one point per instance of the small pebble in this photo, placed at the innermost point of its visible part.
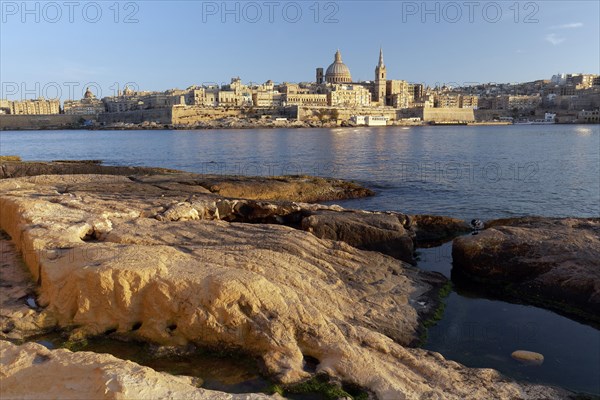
(31, 302)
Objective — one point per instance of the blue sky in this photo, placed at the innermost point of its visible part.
(165, 44)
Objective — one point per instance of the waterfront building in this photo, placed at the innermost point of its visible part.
(39, 106)
(369, 120)
(591, 116)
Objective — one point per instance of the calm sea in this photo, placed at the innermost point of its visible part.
(465, 172)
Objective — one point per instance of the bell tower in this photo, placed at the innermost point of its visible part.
(380, 80)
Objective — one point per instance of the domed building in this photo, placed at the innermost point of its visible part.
(338, 72)
(88, 94)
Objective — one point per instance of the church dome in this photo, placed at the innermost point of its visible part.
(88, 94)
(338, 72)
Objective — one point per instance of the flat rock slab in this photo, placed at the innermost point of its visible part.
(121, 261)
(547, 261)
(16, 169)
(290, 188)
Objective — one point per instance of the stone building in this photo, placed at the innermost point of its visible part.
(348, 96)
(398, 94)
(305, 99)
(130, 100)
(416, 90)
(5, 106)
(591, 116)
(89, 105)
(447, 100)
(468, 101)
(39, 106)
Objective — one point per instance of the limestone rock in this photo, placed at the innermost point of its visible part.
(549, 261)
(179, 212)
(15, 169)
(276, 292)
(33, 371)
(283, 188)
(20, 315)
(380, 232)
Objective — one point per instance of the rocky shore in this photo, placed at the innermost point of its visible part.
(224, 262)
(549, 262)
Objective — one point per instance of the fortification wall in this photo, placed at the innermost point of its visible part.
(158, 115)
(51, 121)
(448, 115)
(195, 114)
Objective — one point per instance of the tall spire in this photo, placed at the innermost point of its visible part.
(381, 57)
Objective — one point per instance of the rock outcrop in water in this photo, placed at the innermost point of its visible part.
(116, 254)
(546, 261)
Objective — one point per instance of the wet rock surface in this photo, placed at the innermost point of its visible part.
(33, 371)
(550, 262)
(20, 315)
(434, 230)
(113, 254)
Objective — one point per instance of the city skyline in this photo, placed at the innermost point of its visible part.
(213, 41)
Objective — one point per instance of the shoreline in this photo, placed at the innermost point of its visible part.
(173, 229)
(293, 125)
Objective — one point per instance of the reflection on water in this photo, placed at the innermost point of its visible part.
(466, 172)
(233, 373)
(483, 333)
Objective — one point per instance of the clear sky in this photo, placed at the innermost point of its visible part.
(173, 44)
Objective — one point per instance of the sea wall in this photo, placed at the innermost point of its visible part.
(343, 114)
(490, 115)
(52, 121)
